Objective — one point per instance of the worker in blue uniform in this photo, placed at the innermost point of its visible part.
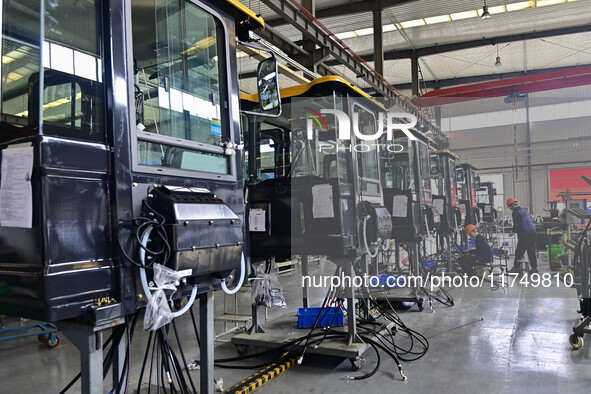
(479, 257)
(525, 229)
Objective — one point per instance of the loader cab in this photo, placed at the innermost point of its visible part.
(310, 190)
(126, 111)
(486, 201)
(406, 182)
(468, 183)
(445, 189)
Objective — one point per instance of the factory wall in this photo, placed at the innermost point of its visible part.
(559, 137)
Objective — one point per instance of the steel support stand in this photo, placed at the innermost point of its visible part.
(118, 363)
(206, 329)
(449, 260)
(90, 344)
(305, 289)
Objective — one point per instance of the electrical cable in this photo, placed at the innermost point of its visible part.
(370, 254)
(240, 281)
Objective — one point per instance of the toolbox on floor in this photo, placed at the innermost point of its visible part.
(332, 317)
(391, 281)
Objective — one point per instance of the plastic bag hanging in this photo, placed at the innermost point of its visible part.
(266, 289)
(158, 313)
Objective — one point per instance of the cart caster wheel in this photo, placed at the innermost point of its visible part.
(50, 344)
(356, 364)
(576, 341)
(42, 337)
(242, 349)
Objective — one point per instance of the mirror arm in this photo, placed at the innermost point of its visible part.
(255, 46)
(263, 114)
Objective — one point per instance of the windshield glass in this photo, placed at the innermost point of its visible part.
(482, 195)
(397, 169)
(438, 181)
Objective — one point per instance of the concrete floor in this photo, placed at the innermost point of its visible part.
(491, 341)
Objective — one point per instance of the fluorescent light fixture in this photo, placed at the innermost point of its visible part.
(7, 59)
(541, 3)
(12, 56)
(12, 76)
(345, 35)
(62, 58)
(520, 6)
(413, 23)
(364, 32)
(437, 19)
(163, 98)
(99, 70)
(387, 28)
(497, 10)
(85, 65)
(464, 15)
(46, 55)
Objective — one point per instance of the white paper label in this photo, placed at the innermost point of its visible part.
(187, 272)
(463, 211)
(400, 206)
(487, 209)
(438, 205)
(16, 196)
(256, 222)
(322, 206)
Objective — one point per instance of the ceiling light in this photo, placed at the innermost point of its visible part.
(345, 35)
(437, 19)
(14, 55)
(7, 59)
(485, 14)
(498, 62)
(541, 3)
(13, 76)
(413, 23)
(364, 32)
(497, 10)
(520, 6)
(464, 15)
(387, 28)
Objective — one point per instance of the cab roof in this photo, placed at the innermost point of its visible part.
(244, 10)
(446, 152)
(299, 90)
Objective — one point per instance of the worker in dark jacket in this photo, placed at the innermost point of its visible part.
(525, 229)
(478, 257)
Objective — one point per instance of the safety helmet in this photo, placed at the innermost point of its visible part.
(511, 201)
(470, 228)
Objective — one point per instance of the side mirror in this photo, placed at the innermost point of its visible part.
(477, 182)
(267, 81)
(494, 191)
(268, 84)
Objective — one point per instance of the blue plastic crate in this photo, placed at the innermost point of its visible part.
(497, 251)
(429, 263)
(332, 317)
(383, 281)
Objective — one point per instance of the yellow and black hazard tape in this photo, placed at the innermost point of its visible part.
(255, 381)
